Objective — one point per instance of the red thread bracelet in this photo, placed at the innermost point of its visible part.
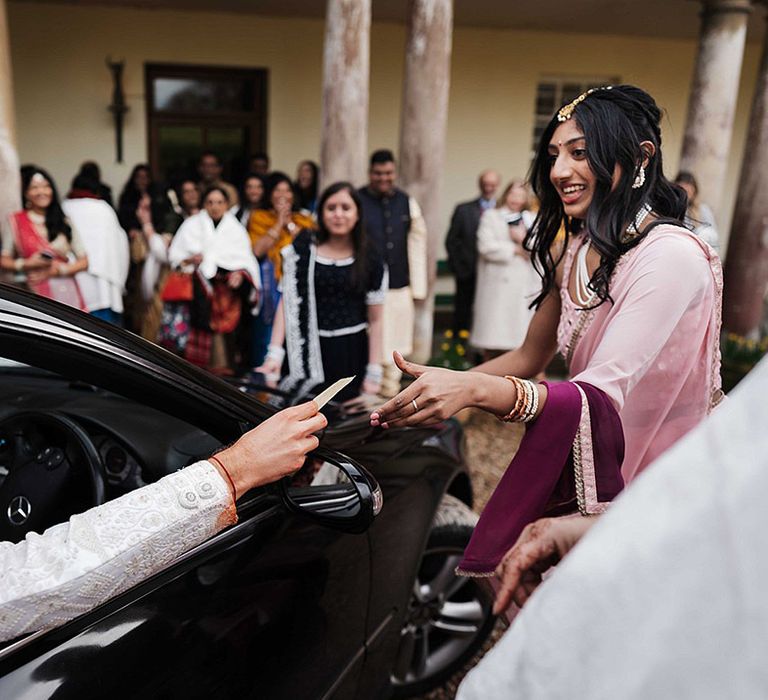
(224, 469)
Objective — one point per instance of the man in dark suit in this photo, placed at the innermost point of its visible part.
(461, 244)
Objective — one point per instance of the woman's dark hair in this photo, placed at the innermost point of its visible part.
(273, 180)
(161, 206)
(55, 221)
(308, 196)
(85, 183)
(614, 121)
(129, 199)
(214, 188)
(360, 267)
(243, 202)
(178, 188)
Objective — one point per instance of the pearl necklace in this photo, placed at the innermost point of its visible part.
(584, 295)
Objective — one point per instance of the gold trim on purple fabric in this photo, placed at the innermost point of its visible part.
(584, 463)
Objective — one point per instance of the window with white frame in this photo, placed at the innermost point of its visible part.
(553, 92)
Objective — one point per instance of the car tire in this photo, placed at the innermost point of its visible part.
(449, 617)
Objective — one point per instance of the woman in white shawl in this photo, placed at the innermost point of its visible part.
(106, 244)
(213, 247)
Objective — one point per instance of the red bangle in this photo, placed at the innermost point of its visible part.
(224, 469)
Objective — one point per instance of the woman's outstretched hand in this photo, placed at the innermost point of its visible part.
(436, 394)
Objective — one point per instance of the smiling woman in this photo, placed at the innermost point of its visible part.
(40, 245)
(638, 323)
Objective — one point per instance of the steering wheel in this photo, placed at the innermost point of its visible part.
(53, 471)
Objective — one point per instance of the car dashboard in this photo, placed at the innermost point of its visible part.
(137, 444)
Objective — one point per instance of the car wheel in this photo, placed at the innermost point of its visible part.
(449, 616)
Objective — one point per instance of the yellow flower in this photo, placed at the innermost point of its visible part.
(448, 334)
(464, 334)
(460, 351)
(445, 347)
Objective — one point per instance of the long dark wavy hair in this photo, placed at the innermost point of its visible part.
(362, 251)
(55, 221)
(615, 122)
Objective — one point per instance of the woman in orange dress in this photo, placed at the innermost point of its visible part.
(270, 230)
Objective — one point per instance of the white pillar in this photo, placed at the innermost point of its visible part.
(346, 60)
(715, 87)
(9, 159)
(746, 269)
(422, 134)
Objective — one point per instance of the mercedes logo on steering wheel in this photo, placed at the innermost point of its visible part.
(19, 510)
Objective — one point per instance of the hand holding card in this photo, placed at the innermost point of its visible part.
(326, 395)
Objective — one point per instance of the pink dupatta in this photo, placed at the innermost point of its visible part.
(646, 369)
(655, 351)
(28, 242)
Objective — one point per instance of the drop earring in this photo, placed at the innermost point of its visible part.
(639, 178)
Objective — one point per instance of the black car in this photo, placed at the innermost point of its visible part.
(311, 595)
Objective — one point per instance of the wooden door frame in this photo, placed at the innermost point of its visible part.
(254, 120)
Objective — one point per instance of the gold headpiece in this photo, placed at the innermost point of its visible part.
(565, 113)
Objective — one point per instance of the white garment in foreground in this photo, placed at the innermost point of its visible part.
(665, 596)
(106, 245)
(48, 579)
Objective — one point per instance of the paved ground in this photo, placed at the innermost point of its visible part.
(490, 446)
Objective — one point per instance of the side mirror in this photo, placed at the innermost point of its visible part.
(334, 491)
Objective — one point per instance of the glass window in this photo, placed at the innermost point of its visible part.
(199, 95)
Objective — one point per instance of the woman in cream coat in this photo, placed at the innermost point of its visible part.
(506, 280)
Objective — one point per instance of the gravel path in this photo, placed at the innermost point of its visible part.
(490, 444)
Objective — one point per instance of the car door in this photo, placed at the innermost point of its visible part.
(274, 607)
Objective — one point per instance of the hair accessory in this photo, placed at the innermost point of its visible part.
(566, 112)
(639, 178)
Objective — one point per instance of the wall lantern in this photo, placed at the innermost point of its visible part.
(118, 106)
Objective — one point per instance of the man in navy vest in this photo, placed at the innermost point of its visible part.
(461, 244)
(395, 228)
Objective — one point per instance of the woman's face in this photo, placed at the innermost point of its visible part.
(570, 173)
(517, 198)
(254, 191)
(340, 214)
(282, 194)
(39, 194)
(190, 196)
(216, 205)
(141, 179)
(304, 175)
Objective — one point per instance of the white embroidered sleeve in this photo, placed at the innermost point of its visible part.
(72, 567)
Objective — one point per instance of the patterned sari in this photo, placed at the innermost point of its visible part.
(28, 242)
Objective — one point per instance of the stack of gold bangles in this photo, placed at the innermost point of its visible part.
(527, 402)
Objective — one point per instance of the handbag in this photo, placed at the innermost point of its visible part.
(177, 287)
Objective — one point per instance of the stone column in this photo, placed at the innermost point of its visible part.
(422, 135)
(346, 60)
(714, 91)
(9, 159)
(746, 269)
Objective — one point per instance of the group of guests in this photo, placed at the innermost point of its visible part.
(630, 296)
(274, 277)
